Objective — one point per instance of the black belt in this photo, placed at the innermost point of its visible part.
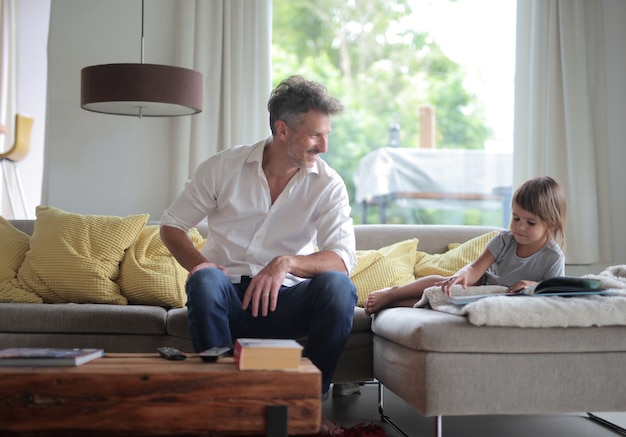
(245, 280)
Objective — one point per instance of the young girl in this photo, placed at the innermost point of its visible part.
(529, 252)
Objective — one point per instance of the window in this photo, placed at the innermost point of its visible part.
(428, 89)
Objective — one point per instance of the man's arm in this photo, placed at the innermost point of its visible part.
(306, 266)
(182, 248)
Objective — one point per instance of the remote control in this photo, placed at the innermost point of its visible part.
(214, 353)
(170, 353)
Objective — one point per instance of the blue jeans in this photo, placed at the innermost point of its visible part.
(320, 308)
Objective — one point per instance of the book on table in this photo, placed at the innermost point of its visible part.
(267, 354)
(47, 357)
(564, 286)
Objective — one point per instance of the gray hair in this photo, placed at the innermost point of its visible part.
(296, 95)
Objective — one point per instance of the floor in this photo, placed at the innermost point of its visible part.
(363, 408)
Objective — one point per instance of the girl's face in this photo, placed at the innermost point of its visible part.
(527, 228)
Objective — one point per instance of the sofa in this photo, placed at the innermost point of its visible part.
(439, 363)
(144, 327)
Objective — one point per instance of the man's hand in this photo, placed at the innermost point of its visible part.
(262, 293)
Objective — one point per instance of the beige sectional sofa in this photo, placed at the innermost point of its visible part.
(439, 363)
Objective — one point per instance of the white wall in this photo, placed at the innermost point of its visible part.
(105, 164)
(97, 163)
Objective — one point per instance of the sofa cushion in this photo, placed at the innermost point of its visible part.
(13, 246)
(361, 322)
(423, 329)
(150, 275)
(177, 323)
(432, 238)
(24, 225)
(69, 318)
(385, 267)
(75, 258)
(448, 263)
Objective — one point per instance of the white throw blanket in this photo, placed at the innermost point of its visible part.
(538, 312)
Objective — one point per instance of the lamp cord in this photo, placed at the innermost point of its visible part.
(142, 12)
(142, 49)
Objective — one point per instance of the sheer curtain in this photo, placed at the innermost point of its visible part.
(560, 116)
(229, 41)
(8, 53)
(8, 85)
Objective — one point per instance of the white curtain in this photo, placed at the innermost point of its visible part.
(8, 65)
(560, 116)
(229, 41)
(8, 85)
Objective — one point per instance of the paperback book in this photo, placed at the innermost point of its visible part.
(267, 354)
(565, 286)
(47, 357)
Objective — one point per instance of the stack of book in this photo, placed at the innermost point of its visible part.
(267, 354)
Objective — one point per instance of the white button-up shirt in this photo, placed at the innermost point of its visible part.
(245, 230)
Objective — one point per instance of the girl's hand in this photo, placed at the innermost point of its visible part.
(447, 283)
(519, 286)
(468, 275)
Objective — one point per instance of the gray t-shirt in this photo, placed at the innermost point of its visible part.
(509, 268)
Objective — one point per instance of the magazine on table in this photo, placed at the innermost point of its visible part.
(47, 357)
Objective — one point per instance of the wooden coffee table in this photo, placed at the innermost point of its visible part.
(144, 394)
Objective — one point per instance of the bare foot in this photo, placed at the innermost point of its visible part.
(329, 428)
(377, 300)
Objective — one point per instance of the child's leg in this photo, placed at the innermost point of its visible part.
(402, 296)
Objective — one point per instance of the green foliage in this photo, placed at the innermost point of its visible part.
(382, 70)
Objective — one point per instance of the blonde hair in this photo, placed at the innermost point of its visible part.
(545, 198)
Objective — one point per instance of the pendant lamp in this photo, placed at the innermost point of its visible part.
(141, 90)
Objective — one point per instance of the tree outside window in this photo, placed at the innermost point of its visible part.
(386, 70)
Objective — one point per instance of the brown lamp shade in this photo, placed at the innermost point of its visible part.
(141, 90)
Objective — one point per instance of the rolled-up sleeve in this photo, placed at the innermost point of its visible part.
(335, 227)
(192, 204)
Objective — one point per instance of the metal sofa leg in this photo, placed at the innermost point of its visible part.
(439, 426)
(385, 418)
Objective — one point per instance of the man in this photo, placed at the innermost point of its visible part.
(281, 244)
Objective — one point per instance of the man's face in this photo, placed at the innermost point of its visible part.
(308, 138)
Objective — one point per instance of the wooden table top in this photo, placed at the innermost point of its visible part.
(153, 363)
(148, 395)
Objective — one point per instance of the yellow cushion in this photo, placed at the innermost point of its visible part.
(459, 255)
(75, 258)
(150, 275)
(13, 246)
(385, 267)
